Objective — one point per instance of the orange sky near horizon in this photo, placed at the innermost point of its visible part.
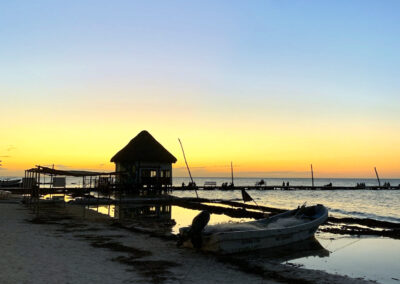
(256, 147)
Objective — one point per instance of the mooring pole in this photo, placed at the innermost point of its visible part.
(232, 173)
(312, 176)
(377, 176)
(187, 166)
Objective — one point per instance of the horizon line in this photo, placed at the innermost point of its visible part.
(228, 177)
(259, 177)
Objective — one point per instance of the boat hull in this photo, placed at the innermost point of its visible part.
(222, 244)
(10, 183)
(240, 241)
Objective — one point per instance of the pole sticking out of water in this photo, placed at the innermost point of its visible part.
(312, 176)
(187, 166)
(232, 172)
(377, 176)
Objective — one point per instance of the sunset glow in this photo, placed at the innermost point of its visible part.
(278, 89)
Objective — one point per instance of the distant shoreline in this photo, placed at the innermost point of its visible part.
(262, 177)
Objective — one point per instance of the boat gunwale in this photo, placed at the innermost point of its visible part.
(274, 231)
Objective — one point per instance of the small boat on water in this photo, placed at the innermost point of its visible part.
(282, 229)
(10, 183)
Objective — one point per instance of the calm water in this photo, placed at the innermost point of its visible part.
(381, 205)
(368, 257)
(372, 258)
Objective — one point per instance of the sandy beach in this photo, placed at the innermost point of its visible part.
(56, 247)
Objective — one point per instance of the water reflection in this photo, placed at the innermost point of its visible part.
(304, 249)
(108, 210)
(183, 217)
(372, 258)
(57, 197)
(157, 212)
(146, 214)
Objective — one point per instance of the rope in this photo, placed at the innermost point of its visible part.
(346, 245)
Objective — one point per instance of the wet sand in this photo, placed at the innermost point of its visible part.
(56, 247)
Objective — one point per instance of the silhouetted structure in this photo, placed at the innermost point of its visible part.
(144, 163)
(35, 183)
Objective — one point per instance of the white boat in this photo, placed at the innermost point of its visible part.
(10, 183)
(282, 229)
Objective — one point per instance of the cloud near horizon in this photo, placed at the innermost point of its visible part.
(10, 148)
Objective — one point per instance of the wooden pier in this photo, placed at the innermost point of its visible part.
(83, 190)
(280, 187)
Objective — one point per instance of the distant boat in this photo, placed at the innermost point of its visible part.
(282, 229)
(10, 183)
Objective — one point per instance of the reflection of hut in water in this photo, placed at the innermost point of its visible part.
(161, 212)
(144, 163)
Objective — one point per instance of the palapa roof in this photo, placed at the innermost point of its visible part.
(144, 148)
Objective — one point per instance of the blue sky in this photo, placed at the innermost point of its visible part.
(314, 45)
(333, 63)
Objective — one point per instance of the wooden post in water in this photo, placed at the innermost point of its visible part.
(187, 166)
(312, 176)
(232, 173)
(377, 176)
(24, 181)
(51, 177)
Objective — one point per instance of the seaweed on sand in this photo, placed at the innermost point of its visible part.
(157, 270)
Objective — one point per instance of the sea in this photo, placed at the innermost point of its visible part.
(381, 205)
(369, 257)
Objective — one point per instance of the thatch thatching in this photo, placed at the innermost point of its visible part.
(144, 148)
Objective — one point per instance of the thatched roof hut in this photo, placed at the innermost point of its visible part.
(144, 163)
(143, 148)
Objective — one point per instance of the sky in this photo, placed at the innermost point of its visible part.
(272, 86)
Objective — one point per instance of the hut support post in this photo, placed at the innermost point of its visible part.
(65, 190)
(51, 178)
